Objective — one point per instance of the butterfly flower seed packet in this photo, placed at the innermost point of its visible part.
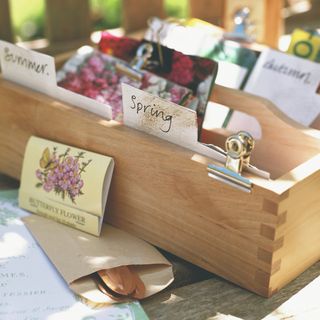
(66, 184)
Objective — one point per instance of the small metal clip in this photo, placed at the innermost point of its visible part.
(242, 26)
(238, 151)
(133, 70)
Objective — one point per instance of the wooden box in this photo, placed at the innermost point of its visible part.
(161, 192)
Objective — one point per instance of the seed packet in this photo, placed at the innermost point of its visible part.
(207, 42)
(96, 75)
(193, 72)
(305, 44)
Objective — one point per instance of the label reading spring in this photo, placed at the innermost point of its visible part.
(154, 115)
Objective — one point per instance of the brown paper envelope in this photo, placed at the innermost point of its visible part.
(77, 254)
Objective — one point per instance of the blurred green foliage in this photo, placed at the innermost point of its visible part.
(29, 23)
(27, 18)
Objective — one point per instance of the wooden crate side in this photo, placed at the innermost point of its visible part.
(284, 145)
(221, 251)
(303, 202)
(208, 223)
(300, 250)
(168, 216)
(273, 22)
(299, 231)
(137, 160)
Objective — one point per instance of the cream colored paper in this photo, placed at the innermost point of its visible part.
(49, 167)
(76, 255)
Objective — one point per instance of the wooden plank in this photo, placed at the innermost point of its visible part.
(67, 20)
(274, 23)
(265, 16)
(218, 299)
(5, 21)
(135, 13)
(209, 10)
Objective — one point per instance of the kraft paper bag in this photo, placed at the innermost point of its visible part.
(78, 255)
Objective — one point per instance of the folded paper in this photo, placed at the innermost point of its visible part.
(78, 255)
(66, 184)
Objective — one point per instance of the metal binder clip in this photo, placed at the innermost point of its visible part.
(241, 20)
(238, 150)
(133, 70)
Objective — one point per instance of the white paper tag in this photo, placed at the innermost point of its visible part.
(290, 82)
(159, 117)
(230, 75)
(37, 71)
(28, 68)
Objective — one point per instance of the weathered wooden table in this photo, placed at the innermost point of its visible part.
(197, 294)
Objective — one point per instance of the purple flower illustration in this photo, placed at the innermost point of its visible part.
(62, 173)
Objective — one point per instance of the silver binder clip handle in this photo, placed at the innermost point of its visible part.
(239, 147)
(242, 25)
(134, 69)
(238, 151)
(142, 57)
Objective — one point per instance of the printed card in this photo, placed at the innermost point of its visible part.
(66, 184)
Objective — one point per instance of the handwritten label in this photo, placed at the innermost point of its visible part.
(159, 117)
(28, 68)
(289, 82)
(287, 70)
(37, 71)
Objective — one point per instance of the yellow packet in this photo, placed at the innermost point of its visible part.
(305, 45)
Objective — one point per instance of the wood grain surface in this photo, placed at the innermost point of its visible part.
(249, 239)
